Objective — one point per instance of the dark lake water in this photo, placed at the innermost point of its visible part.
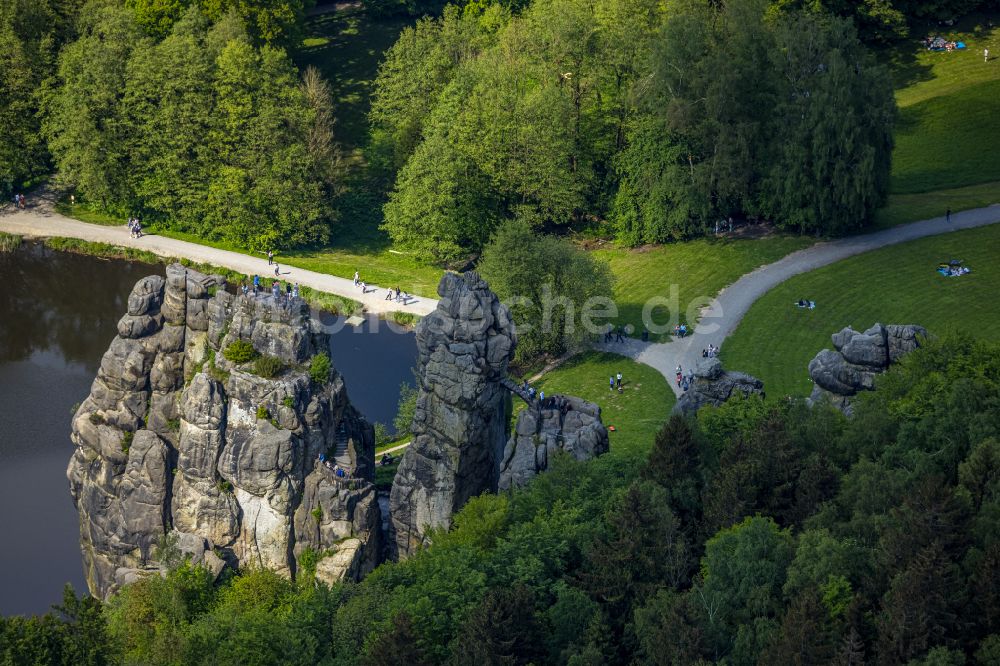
(58, 314)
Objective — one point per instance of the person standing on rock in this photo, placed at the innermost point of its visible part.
(295, 291)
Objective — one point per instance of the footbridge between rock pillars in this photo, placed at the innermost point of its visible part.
(516, 389)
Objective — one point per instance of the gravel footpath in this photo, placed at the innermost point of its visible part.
(41, 221)
(721, 319)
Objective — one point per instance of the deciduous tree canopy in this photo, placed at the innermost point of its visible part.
(662, 119)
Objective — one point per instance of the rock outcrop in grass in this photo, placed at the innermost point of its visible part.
(713, 386)
(857, 358)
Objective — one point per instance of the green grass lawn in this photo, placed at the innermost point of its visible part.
(902, 208)
(947, 152)
(637, 413)
(699, 268)
(89, 213)
(895, 285)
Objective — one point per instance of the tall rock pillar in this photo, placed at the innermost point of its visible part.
(461, 421)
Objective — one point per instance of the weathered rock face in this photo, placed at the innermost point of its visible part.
(460, 425)
(857, 358)
(713, 386)
(567, 424)
(169, 442)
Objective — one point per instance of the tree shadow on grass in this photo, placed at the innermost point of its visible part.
(347, 47)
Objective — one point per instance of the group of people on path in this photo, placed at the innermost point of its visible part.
(684, 380)
(392, 294)
(710, 352)
(19, 201)
(619, 334)
(134, 227)
(396, 295)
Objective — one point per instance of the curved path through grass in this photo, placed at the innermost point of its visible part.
(716, 323)
(721, 318)
(41, 221)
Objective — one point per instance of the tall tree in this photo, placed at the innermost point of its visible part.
(674, 462)
(169, 105)
(830, 171)
(83, 114)
(548, 283)
(500, 631)
(641, 549)
(31, 34)
(743, 570)
(921, 608)
(264, 192)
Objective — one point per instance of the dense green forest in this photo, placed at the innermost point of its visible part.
(763, 532)
(651, 119)
(663, 120)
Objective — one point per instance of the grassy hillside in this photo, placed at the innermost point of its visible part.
(947, 151)
(699, 269)
(896, 285)
(636, 413)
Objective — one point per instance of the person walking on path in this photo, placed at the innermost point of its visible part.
(619, 338)
(947, 216)
(357, 278)
(270, 257)
(277, 270)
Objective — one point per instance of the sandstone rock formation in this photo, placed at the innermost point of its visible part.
(567, 424)
(460, 424)
(857, 358)
(713, 386)
(178, 445)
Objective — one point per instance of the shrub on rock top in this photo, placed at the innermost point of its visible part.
(267, 366)
(319, 368)
(240, 351)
